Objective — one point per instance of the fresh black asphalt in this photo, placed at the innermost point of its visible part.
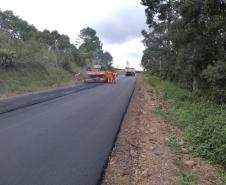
(63, 141)
(15, 103)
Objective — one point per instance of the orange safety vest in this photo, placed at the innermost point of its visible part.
(109, 76)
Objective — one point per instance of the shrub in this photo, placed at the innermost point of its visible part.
(7, 58)
(208, 137)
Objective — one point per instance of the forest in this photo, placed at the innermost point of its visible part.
(186, 44)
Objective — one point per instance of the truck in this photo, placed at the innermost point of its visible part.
(130, 71)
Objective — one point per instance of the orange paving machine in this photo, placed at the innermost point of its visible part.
(95, 74)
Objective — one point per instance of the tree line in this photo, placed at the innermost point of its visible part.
(22, 42)
(186, 44)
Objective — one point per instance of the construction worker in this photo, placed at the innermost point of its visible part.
(109, 76)
(77, 76)
(114, 77)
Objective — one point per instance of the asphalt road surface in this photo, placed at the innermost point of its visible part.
(17, 102)
(64, 141)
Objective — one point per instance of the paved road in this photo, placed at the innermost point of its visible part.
(65, 141)
(14, 103)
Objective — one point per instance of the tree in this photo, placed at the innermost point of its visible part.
(91, 48)
(107, 58)
(91, 45)
(186, 37)
(15, 26)
(32, 45)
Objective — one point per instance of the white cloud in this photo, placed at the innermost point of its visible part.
(122, 25)
(70, 16)
(128, 51)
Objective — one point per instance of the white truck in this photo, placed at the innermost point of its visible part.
(130, 71)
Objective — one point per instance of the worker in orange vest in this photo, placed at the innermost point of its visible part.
(109, 76)
(77, 76)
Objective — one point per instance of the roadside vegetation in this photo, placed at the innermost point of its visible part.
(185, 57)
(203, 121)
(187, 177)
(31, 59)
(185, 44)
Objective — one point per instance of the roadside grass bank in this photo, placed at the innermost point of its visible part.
(203, 122)
(31, 77)
(35, 66)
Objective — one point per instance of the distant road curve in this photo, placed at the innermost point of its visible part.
(63, 141)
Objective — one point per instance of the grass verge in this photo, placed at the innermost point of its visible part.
(187, 177)
(25, 78)
(203, 122)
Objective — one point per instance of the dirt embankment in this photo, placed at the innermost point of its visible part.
(143, 154)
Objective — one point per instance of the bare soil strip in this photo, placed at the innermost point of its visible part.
(144, 154)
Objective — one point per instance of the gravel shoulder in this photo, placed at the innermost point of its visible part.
(141, 155)
(144, 151)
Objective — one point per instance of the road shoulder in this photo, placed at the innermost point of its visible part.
(150, 151)
(141, 154)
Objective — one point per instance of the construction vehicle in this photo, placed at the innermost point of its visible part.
(95, 74)
(130, 71)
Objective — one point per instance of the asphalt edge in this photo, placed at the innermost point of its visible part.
(100, 179)
(45, 100)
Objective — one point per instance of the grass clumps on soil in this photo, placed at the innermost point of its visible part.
(187, 177)
(203, 122)
(184, 183)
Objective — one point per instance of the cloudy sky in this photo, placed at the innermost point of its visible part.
(118, 22)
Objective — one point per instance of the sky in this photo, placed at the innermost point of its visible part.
(118, 22)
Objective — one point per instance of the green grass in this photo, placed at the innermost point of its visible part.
(31, 77)
(37, 67)
(203, 121)
(187, 177)
(184, 183)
